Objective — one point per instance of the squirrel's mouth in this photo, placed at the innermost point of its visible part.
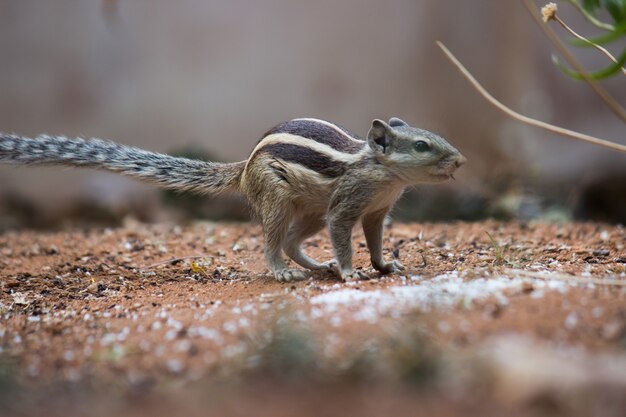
(442, 176)
(444, 173)
(445, 169)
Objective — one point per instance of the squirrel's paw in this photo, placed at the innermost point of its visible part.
(389, 267)
(353, 275)
(289, 275)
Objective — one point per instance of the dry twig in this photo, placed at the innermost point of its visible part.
(525, 119)
(550, 14)
(596, 87)
(173, 260)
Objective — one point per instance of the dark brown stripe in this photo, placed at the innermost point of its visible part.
(320, 133)
(306, 157)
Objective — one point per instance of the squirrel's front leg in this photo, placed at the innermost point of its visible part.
(341, 221)
(373, 230)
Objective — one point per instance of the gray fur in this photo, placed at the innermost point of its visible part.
(302, 175)
(164, 170)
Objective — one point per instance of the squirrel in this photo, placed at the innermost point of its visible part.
(302, 175)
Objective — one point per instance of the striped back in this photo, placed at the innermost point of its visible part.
(318, 145)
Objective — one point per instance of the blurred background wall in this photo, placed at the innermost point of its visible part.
(211, 76)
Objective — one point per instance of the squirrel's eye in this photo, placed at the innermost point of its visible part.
(421, 146)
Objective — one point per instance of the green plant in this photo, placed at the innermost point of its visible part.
(287, 351)
(591, 9)
(500, 259)
(8, 381)
(615, 8)
(413, 356)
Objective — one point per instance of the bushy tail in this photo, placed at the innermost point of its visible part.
(164, 170)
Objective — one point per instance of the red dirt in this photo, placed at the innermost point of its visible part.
(128, 308)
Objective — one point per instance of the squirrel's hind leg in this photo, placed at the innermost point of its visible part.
(302, 228)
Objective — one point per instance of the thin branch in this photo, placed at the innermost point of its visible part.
(543, 125)
(597, 88)
(549, 12)
(173, 260)
(582, 38)
(591, 18)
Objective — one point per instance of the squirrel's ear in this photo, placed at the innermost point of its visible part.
(378, 136)
(397, 122)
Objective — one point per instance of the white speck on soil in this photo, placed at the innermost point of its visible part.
(175, 366)
(571, 320)
(230, 327)
(441, 292)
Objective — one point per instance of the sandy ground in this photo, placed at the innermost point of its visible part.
(488, 317)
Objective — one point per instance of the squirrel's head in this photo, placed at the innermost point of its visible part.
(414, 155)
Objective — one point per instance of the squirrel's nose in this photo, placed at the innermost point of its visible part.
(460, 160)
